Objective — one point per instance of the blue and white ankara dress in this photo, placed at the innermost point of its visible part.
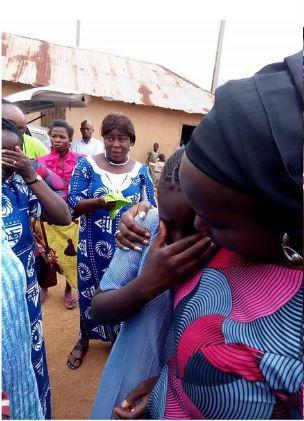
(97, 231)
(18, 205)
(18, 377)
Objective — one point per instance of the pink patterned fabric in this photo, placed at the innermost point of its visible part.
(186, 288)
(178, 405)
(252, 302)
(249, 302)
(238, 344)
(53, 162)
(202, 333)
(49, 177)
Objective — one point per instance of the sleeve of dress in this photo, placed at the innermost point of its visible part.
(284, 376)
(34, 205)
(126, 263)
(79, 184)
(49, 177)
(147, 186)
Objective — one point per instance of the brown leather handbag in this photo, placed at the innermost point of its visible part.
(47, 265)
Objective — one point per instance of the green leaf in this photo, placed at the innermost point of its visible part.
(119, 200)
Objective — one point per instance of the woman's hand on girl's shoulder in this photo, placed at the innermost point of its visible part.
(130, 234)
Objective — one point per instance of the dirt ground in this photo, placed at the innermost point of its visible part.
(73, 391)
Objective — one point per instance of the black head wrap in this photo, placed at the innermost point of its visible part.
(251, 140)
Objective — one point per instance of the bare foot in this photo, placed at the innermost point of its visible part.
(70, 300)
(44, 294)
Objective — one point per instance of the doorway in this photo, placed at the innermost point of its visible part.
(186, 134)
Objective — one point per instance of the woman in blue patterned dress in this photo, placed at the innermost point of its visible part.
(18, 377)
(94, 177)
(25, 195)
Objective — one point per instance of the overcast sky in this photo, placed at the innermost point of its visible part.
(184, 38)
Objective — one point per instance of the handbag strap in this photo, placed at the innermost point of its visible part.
(33, 225)
(44, 236)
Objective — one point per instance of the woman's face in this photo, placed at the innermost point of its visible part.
(117, 145)
(60, 139)
(9, 142)
(176, 213)
(231, 216)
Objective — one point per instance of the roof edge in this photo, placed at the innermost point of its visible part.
(111, 55)
(185, 79)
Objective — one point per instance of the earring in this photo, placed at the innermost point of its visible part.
(289, 253)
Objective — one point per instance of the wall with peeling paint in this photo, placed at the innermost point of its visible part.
(152, 124)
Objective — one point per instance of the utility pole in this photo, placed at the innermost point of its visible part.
(78, 34)
(217, 62)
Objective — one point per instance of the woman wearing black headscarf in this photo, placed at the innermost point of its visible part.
(238, 322)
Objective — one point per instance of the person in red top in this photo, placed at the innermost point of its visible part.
(64, 240)
(5, 403)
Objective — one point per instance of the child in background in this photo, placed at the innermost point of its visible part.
(159, 166)
(151, 159)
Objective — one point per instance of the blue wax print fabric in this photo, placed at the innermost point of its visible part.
(18, 377)
(18, 205)
(97, 230)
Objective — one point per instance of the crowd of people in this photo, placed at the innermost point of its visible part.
(191, 267)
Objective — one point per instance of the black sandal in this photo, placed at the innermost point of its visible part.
(80, 350)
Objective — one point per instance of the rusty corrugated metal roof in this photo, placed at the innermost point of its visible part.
(40, 63)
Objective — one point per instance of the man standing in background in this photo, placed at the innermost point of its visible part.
(88, 145)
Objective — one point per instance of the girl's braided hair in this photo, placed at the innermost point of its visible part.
(170, 174)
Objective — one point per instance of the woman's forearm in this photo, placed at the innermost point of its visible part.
(115, 306)
(54, 208)
(86, 206)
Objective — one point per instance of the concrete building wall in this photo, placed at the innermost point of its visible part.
(151, 124)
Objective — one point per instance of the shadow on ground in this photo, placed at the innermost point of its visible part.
(73, 391)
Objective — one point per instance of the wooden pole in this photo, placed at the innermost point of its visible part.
(218, 55)
(78, 34)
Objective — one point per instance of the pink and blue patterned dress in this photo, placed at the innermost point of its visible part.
(238, 345)
(97, 231)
